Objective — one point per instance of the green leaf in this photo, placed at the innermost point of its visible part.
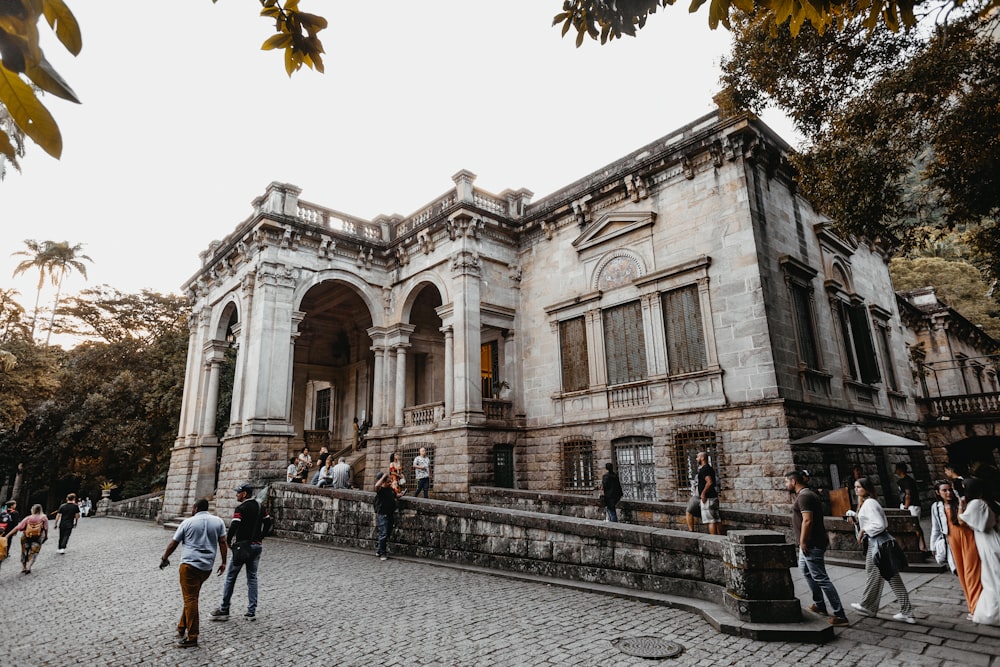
(64, 24)
(28, 113)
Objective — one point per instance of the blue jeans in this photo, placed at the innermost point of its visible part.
(814, 570)
(384, 524)
(234, 571)
(612, 513)
(423, 484)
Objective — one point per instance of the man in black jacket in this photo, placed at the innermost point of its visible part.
(611, 489)
(385, 509)
(245, 541)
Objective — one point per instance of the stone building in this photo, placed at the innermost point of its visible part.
(956, 365)
(683, 298)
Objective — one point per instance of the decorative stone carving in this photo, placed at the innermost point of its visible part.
(548, 228)
(581, 210)
(716, 151)
(687, 166)
(425, 242)
(465, 261)
(515, 272)
(636, 187)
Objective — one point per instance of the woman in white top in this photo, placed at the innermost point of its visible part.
(872, 522)
(939, 526)
(981, 515)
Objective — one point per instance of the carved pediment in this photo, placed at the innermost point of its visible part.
(613, 225)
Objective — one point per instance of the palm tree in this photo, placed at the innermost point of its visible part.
(54, 260)
(62, 259)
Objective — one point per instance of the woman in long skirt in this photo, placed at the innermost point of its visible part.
(872, 522)
(981, 515)
(957, 541)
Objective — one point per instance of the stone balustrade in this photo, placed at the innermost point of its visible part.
(145, 507)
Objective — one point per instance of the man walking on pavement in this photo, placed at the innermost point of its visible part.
(807, 525)
(201, 534)
(611, 489)
(422, 472)
(66, 517)
(246, 543)
(708, 494)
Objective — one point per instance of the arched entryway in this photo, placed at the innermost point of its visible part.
(425, 369)
(332, 375)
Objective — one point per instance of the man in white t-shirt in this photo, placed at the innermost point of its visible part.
(422, 471)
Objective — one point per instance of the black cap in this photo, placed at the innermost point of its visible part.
(244, 488)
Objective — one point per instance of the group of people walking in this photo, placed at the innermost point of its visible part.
(965, 536)
(34, 529)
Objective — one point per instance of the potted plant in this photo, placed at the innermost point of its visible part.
(501, 389)
(107, 488)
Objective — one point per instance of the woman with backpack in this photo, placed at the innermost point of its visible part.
(35, 529)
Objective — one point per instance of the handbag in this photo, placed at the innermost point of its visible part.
(402, 480)
(242, 553)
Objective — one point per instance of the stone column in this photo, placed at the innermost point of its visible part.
(378, 399)
(400, 382)
(759, 586)
(449, 370)
(512, 371)
(465, 266)
(655, 336)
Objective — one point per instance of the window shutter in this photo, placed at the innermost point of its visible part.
(867, 363)
(803, 326)
(683, 326)
(845, 338)
(573, 354)
(624, 343)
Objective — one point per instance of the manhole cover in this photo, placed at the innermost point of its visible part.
(648, 647)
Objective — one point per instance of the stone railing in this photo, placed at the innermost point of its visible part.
(968, 405)
(746, 573)
(628, 395)
(145, 507)
(338, 222)
(423, 415)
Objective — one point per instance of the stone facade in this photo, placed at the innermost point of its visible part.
(682, 298)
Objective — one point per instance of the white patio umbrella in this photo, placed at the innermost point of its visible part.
(856, 435)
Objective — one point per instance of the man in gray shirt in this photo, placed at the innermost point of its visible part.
(341, 475)
(201, 535)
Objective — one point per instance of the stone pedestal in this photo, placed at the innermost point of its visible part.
(759, 585)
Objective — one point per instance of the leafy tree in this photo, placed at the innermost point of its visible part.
(610, 19)
(957, 283)
(114, 401)
(21, 56)
(902, 129)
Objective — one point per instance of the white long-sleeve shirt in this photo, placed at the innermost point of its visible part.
(871, 518)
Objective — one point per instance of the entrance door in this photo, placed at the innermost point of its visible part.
(503, 466)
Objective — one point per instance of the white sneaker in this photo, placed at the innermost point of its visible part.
(62, 551)
(905, 618)
(863, 611)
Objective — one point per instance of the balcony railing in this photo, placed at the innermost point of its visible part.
(628, 395)
(966, 405)
(423, 415)
(497, 410)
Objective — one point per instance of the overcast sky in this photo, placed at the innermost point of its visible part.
(185, 121)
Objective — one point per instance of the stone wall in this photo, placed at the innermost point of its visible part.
(843, 545)
(145, 507)
(747, 572)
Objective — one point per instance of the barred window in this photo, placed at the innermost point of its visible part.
(636, 467)
(577, 464)
(624, 343)
(406, 456)
(322, 418)
(687, 444)
(573, 354)
(683, 326)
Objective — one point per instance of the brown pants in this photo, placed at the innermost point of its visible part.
(191, 580)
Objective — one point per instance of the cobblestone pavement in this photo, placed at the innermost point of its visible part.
(105, 602)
